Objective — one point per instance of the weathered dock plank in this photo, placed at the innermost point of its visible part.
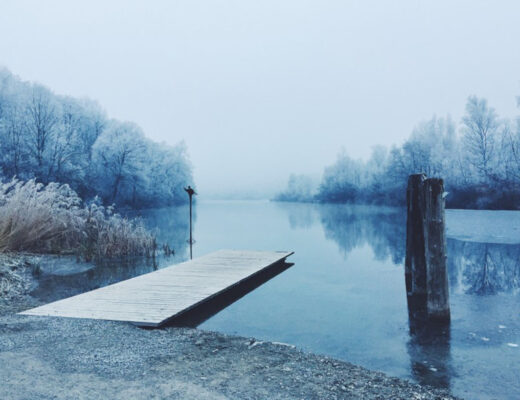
(153, 299)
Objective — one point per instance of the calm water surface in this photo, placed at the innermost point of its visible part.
(345, 296)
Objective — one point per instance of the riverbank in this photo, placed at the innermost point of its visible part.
(62, 358)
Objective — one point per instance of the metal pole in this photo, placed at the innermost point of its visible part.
(190, 192)
(191, 239)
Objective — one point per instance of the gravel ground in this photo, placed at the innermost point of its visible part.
(60, 358)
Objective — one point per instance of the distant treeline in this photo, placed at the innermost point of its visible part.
(479, 161)
(54, 138)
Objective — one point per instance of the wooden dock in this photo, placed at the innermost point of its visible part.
(155, 298)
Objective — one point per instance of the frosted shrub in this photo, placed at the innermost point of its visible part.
(52, 219)
(107, 234)
(34, 217)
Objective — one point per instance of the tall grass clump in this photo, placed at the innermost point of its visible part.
(53, 219)
(108, 234)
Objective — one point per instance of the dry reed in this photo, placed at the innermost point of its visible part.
(52, 219)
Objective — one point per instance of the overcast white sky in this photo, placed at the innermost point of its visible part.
(260, 89)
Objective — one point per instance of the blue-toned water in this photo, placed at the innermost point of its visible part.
(345, 295)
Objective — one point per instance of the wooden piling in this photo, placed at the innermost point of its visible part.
(425, 265)
(437, 292)
(415, 263)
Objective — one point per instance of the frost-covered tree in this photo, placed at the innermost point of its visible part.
(480, 130)
(118, 152)
(58, 138)
(65, 154)
(429, 149)
(166, 172)
(299, 188)
(511, 151)
(481, 167)
(40, 122)
(13, 150)
(342, 180)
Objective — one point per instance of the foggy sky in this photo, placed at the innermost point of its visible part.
(260, 89)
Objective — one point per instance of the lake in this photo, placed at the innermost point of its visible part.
(345, 296)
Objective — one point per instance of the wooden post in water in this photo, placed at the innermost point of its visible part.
(437, 290)
(415, 262)
(425, 265)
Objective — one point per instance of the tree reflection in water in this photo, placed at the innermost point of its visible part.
(473, 267)
(383, 228)
(483, 268)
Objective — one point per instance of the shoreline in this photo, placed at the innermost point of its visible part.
(61, 358)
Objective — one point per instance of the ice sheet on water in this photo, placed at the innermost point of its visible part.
(65, 265)
(485, 226)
